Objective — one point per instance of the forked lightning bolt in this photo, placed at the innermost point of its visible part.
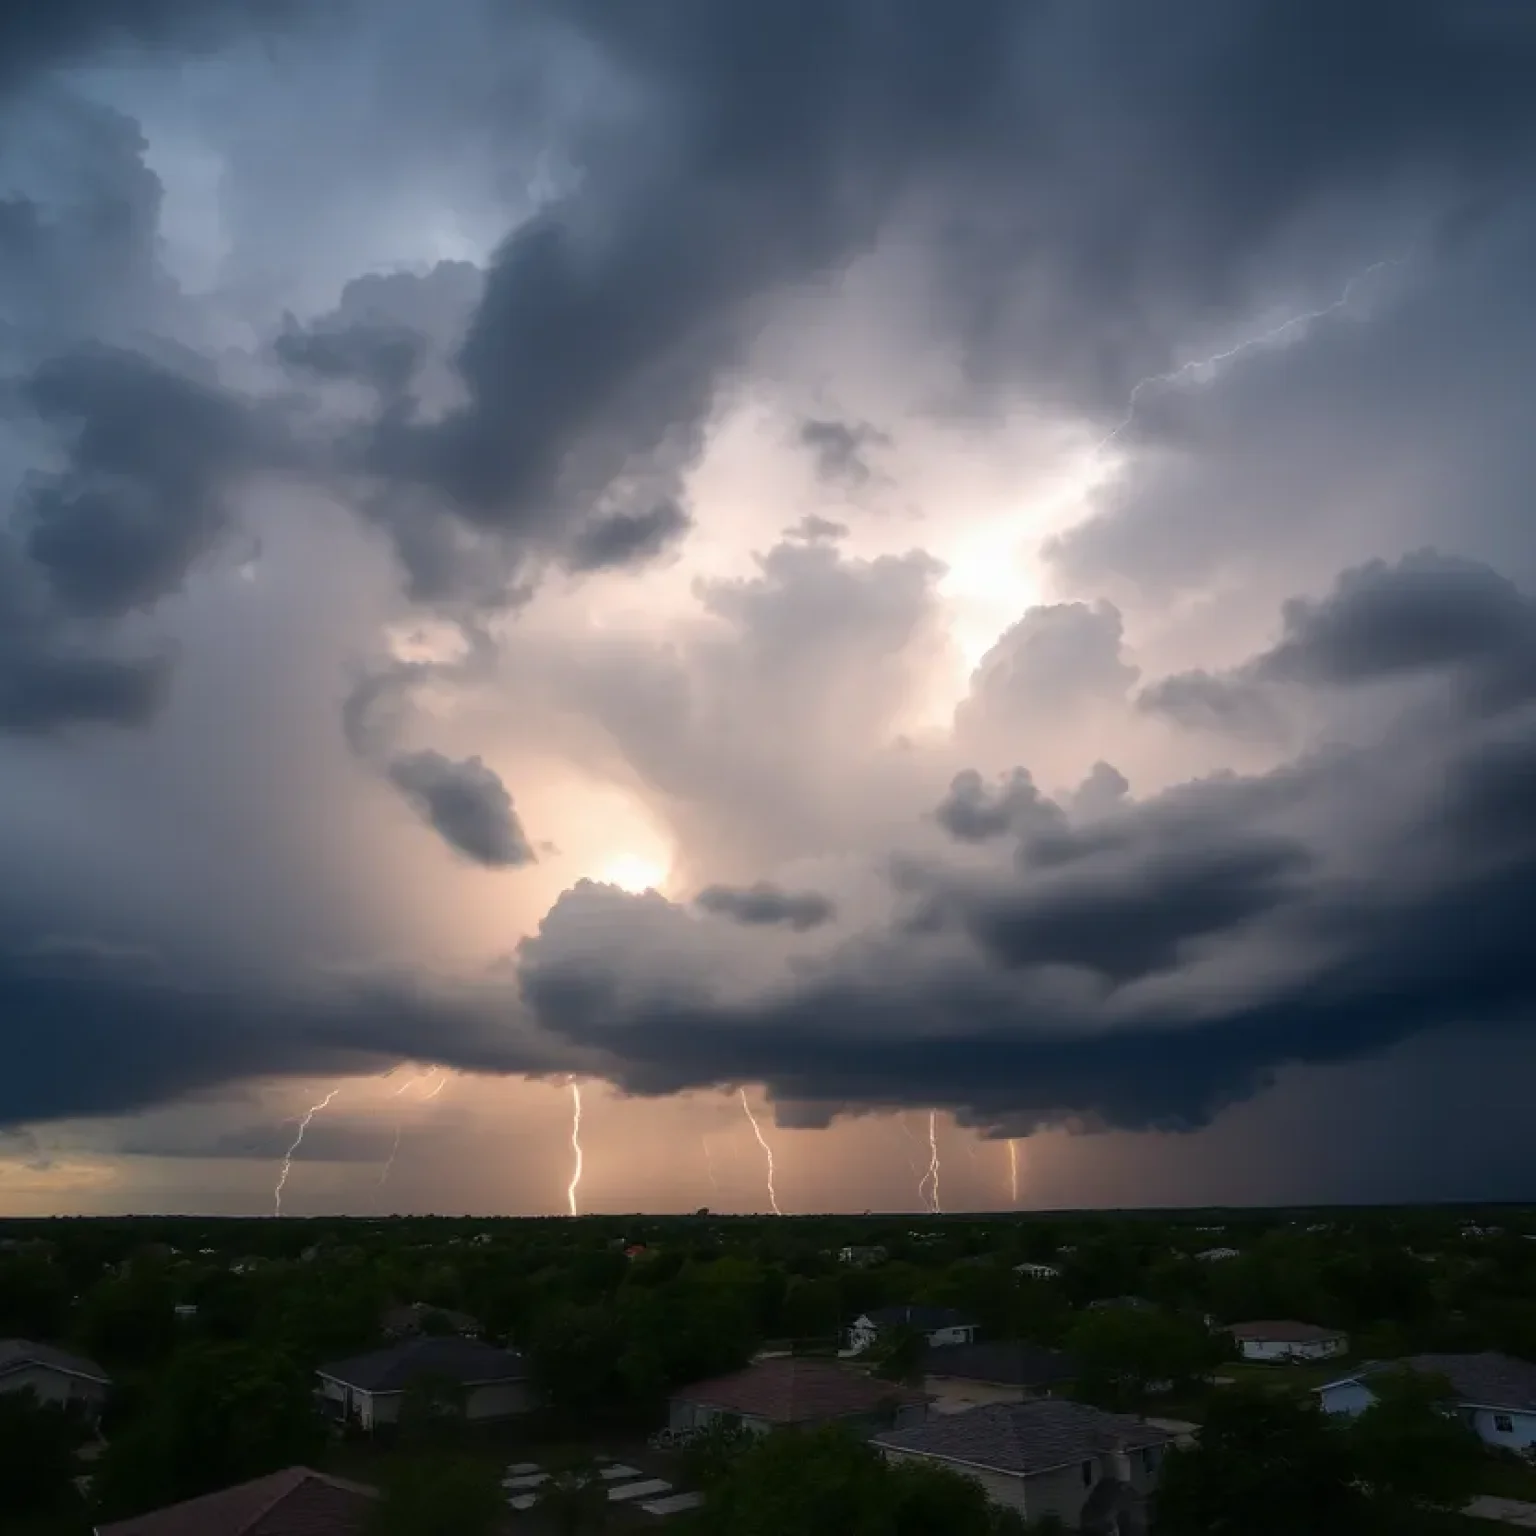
(575, 1184)
(282, 1178)
(932, 1177)
(762, 1141)
(410, 1082)
(1197, 366)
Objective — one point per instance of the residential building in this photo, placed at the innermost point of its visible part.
(412, 1321)
(368, 1390)
(865, 1255)
(787, 1390)
(53, 1374)
(939, 1325)
(1049, 1456)
(1495, 1394)
(1122, 1303)
(1216, 1255)
(1037, 1271)
(1288, 1341)
(295, 1502)
(961, 1376)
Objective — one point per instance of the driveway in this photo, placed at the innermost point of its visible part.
(1514, 1512)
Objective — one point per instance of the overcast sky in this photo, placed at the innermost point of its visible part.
(954, 580)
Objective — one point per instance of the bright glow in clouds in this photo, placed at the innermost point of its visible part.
(630, 872)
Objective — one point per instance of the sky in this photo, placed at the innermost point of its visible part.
(933, 603)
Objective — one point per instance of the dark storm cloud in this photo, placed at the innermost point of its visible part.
(150, 456)
(1425, 615)
(92, 1032)
(467, 804)
(1146, 968)
(975, 812)
(628, 539)
(765, 905)
(841, 447)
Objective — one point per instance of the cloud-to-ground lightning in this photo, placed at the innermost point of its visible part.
(931, 1178)
(1013, 1170)
(762, 1141)
(282, 1177)
(917, 1173)
(1199, 366)
(575, 1184)
(709, 1161)
(410, 1082)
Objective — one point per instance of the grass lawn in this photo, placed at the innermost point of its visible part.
(1509, 1479)
(1295, 1379)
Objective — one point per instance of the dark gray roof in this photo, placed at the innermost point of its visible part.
(1006, 1363)
(1490, 1380)
(16, 1353)
(393, 1369)
(923, 1318)
(1025, 1438)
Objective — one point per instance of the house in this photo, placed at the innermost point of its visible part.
(1122, 1304)
(1216, 1255)
(939, 1325)
(1037, 1271)
(1049, 1456)
(1287, 1341)
(368, 1389)
(296, 1502)
(54, 1375)
(865, 1255)
(1495, 1394)
(797, 1390)
(411, 1321)
(961, 1376)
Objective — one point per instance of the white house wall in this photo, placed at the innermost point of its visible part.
(1276, 1349)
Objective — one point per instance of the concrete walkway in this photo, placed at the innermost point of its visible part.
(1516, 1512)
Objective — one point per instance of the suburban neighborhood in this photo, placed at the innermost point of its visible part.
(1003, 1375)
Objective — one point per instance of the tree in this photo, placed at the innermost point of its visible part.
(37, 1453)
(900, 1356)
(1418, 1461)
(1123, 1353)
(428, 1495)
(1265, 1465)
(432, 1411)
(575, 1499)
(220, 1415)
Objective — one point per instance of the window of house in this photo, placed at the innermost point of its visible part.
(1503, 1424)
(1087, 1473)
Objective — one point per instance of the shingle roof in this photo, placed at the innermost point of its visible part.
(791, 1390)
(1284, 1332)
(16, 1353)
(920, 1317)
(1006, 1363)
(1024, 1438)
(393, 1369)
(295, 1502)
(1489, 1379)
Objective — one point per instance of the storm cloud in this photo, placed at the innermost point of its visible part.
(1012, 521)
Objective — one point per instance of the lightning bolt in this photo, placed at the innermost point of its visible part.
(410, 1082)
(709, 1161)
(931, 1178)
(1013, 1169)
(575, 1184)
(1199, 366)
(762, 1141)
(282, 1178)
(911, 1140)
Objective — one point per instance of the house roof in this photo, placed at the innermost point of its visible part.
(15, 1354)
(415, 1313)
(1021, 1439)
(797, 1390)
(295, 1502)
(919, 1317)
(1284, 1333)
(1007, 1363)
(1490, 1380)
(393, 1369)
